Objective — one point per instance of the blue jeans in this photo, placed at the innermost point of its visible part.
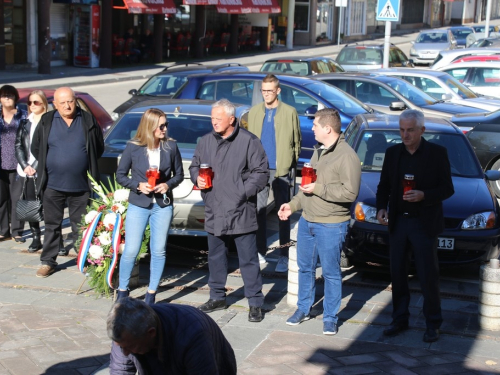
(135, 224)
(324, 241)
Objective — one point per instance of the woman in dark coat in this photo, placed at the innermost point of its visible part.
(10, 183)
(37, 106)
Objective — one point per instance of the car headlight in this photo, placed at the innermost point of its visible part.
(115, 116)
(412, 51)
(364, 212)
(482, 220)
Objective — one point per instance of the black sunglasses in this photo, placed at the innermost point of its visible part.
(164, 126)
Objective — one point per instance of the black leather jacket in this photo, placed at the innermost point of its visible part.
(22, 145)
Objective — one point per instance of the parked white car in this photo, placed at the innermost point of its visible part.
(442, 86)
(482, 77)
(447, 57)
(429, 43)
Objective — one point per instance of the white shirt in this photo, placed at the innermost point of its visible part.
(31, 159)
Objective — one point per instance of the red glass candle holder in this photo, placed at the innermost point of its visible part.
(152, 175)
(207, 173)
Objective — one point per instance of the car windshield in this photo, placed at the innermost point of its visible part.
(162, 85)
(287, 67)
(461, 34)
(186, 129)
(410, 92)
(372, 144)
(360, 56)
(432, 38)
(341, 100)
(457, 86)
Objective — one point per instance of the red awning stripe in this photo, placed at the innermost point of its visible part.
(200, 2)
(248, 6)
(151, 6)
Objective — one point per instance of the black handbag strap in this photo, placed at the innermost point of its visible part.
(26, 184)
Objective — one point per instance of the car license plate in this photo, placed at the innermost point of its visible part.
(446, 243)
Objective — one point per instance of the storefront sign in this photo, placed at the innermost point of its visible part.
(151, 6)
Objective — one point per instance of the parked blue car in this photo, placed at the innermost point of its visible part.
(471, 215)
(306, 95)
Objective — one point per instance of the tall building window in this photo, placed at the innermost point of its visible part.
(302, 9)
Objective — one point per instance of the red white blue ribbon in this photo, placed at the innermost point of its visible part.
(87, 242)
(115, 244)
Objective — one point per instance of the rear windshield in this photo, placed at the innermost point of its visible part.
(163, 85)
(432, 38)
(461, 34)
(294, 67)
(360, 56)
(184, 128)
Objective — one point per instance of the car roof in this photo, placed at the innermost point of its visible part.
(470, 51)
(192, 67)
(475, 64)
(364, 75)
(411, 72)
(299, 80)
(191, 106)
(460, 28)
(380, 121)
(297, 58)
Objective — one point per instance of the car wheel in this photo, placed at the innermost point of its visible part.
(495, 185)
(345, 262)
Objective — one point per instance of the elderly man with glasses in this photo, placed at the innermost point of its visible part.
(277, 125)
(67, 143)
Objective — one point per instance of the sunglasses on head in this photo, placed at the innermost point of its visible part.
(35, 102)
(163, 126)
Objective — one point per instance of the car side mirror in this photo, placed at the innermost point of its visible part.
(397, 106)
(133, 92)
(309, 112)
(492, 175)
(446, 97)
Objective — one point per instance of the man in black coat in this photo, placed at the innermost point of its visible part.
(241, 170)
(67, 144)
(415, 218)
(166, 339)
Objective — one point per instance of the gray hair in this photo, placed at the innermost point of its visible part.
(415, 115)
(132, 316)
(229, 107)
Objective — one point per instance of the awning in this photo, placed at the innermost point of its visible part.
(248, 6)
(151, 6)
(200, 2)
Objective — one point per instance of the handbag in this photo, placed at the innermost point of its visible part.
(29, 210)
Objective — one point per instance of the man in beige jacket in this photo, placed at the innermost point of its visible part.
(325, 218)
(277, 125)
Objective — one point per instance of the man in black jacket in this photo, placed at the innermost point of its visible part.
(67, 143)
(415, 218)
(240, 168)
(166, 339)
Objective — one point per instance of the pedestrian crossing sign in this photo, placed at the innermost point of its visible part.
(388, 10)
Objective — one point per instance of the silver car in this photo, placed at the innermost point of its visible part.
(447, 57)
(429, 43)
(442, 86)
(189, 120)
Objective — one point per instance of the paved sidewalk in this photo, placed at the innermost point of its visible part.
(48, 329)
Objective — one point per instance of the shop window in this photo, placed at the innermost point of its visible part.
(302, 15)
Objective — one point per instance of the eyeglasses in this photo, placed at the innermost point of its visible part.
(34, 102)
(163, 126)
(8, 96)
(268, 91)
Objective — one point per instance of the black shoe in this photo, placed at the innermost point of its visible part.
(395, 329)
(36, 244)
(213, 305)
(255, 314)
(431, 335)
(19, 239)
(121, 294)
(150, 298)
(63, 252)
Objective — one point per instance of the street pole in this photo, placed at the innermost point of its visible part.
(340, 22)
(488, 15)
(387, 43)
(290, 30)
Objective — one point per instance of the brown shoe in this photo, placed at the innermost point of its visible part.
(45, 270)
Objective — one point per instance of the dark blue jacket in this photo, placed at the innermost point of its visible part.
(192, 344)
(135, 158)
(241, 170)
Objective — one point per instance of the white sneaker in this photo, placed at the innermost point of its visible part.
(282, 265)
(262, 258)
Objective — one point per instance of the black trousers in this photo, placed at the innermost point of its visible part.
(282, 191)
(408, 234)
(53, 210)
(249, 266)
(10, 191)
